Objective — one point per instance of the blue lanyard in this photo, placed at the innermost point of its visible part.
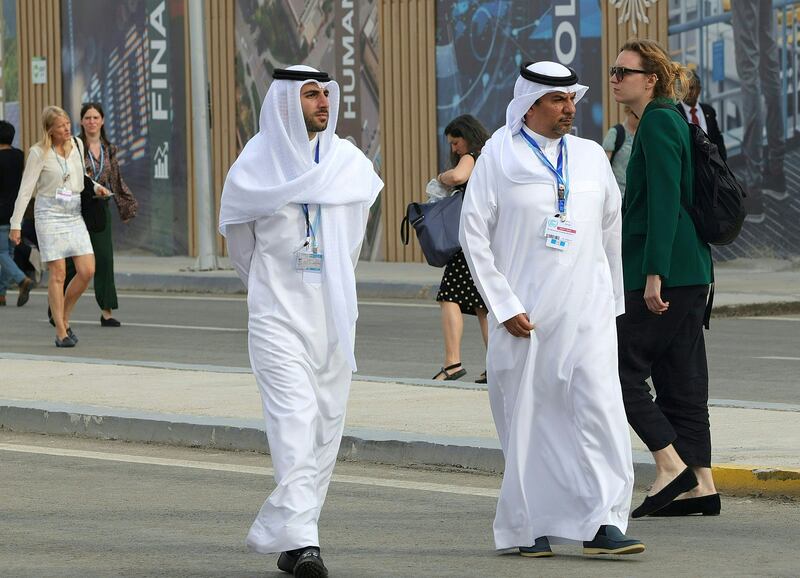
(562, 176)
(96, 172)
(311, 231)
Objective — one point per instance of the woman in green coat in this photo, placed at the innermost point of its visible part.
(667, 271)
(101, 164)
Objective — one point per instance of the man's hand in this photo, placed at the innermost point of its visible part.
(519, 325)
(15, 235)
(652, 295)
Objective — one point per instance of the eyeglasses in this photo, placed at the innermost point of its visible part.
(620, 72)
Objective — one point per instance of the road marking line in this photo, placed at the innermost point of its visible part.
(243, 298)
(766, 318)
(166, 326)
(242, 469)
(778, 358)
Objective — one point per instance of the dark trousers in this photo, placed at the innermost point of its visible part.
(670, 349)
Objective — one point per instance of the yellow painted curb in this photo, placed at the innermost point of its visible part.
(748, 480)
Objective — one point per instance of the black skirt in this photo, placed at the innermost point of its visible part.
(458, 287)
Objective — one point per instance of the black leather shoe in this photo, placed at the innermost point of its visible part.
(705, 505)
(286, 562)
(309, 565)
(110, 322)
(540, 549)
(610, 540)
(72, 335)
(685, 481)
(66, 342)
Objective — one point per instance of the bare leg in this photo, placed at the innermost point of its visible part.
(668, 466)
(484, 323)
(106, 313)
(452, 329)
(705, 484)
(57, 272)
(84, 271)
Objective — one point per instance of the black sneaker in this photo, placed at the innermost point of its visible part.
(610, 540)
(754, 205)
(775, 185)
(286, 562)
(309, 565)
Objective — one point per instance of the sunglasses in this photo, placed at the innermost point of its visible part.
(620, 72)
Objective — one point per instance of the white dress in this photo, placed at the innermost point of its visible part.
(60, 228)
(556, 397)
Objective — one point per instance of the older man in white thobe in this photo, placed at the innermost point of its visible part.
(540, 228)
(294, 211)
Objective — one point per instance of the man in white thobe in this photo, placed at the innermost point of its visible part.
(540, 228)
(294, 211)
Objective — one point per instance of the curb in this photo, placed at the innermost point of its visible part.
(384, 447)
(748, 480)
(231, 285)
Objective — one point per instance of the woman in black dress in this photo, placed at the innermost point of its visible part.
(457, 292)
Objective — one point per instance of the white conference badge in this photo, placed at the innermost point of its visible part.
(559, 234)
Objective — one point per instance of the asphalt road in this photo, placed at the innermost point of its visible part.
(73, 507)
(752, 359)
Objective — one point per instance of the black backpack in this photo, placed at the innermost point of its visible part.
(718, 209)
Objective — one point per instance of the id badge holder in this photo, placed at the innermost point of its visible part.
(559, 234)
(308, 262)
(63, 194)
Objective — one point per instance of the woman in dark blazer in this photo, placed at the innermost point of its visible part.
(667, 271)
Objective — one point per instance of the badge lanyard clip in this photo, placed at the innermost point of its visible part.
(559, 172)
(312, 230)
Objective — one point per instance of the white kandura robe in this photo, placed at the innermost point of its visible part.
(556, 397)
(302, 373)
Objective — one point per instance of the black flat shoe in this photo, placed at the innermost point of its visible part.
(685, 481)
(50, 317)
(110, 322)
(704, 505)
(451, 376)
(482, 378)
(309, 564)
(66, 342)
(72, 335)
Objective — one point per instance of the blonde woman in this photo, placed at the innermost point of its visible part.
(54, 173)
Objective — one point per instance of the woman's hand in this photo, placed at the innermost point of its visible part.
(101, 191)
(652, 295)
(15, 235)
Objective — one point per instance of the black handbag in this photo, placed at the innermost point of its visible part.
(436, 225)
(93, 210)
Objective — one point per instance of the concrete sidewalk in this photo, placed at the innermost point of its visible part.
(755, 449)
(744, 286)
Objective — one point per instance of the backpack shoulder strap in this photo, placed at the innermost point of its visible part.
(619, 140)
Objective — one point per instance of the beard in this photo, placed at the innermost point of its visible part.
(564, 126)
(313, 124)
